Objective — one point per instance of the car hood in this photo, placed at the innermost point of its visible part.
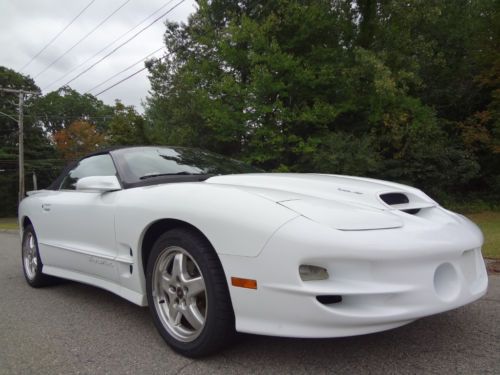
(342, 202)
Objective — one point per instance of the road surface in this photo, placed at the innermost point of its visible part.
(75, 328)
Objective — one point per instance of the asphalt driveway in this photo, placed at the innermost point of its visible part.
(75, 328)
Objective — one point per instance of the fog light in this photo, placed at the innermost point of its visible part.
(309, 273)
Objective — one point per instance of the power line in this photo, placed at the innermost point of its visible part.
(107, 46)
(14, 161)
(54, 119)
(37, 116)
(123, 80)
(34, 161)
(76, 117)
(124, 43)
(83, 38)
(57, 35)
(7, 115)
(124, 70)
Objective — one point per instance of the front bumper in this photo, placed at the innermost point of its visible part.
(386, 278)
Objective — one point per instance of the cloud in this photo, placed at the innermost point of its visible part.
(28, 25)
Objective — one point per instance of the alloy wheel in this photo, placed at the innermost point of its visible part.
(179, 294)
(30, 257)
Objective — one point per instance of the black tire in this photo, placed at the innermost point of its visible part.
(34, 277)
(218, 329)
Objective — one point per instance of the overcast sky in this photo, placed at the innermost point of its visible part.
(28, 25)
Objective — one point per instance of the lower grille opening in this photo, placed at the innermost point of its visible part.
(329, 300)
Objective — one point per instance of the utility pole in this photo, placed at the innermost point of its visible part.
(35, 182)
(20, 124)
(21, 146)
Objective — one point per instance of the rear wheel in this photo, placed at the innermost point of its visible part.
(32, 264)
(188, 295)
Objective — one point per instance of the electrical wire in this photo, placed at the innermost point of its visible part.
(82, 39)
(55, 118)
(123, 80)
(15, 161)
(107, 46)
(124, 43)
(124, 70)
(12, 118)
(57, 35)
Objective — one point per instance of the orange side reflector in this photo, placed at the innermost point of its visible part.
(244, 283)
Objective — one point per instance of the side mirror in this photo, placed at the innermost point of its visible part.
(98, 183)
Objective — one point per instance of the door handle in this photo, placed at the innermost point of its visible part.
(46, 206)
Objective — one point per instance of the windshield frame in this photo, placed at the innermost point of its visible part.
(130, 180)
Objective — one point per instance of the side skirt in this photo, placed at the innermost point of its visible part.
(130, 295)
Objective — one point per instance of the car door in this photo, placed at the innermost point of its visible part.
(78, 232)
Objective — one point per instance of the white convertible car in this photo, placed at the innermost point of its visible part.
(213, 246)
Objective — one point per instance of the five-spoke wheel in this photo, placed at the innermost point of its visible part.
(32, 263)
(30, 257)
(179, 293)
(188, 293)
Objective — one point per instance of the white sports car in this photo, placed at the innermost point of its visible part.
(214, 247)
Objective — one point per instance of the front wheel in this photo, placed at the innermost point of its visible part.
(188, 294)
(32, 263)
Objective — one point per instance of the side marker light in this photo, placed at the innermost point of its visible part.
(244, 283)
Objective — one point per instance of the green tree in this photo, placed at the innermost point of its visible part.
(377, 87)
(39, 154)
(127, 127)
(58, 109)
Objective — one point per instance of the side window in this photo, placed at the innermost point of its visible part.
(99, 165)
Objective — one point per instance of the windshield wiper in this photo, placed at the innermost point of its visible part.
(146, 176)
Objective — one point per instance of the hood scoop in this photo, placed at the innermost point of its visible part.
(394, 198)
(405, 202)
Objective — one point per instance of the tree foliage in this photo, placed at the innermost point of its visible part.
(127, 127)
(38, 152)
(59, 126)
(403, 90)
(58, 109)
(400, 90)
(77, 140)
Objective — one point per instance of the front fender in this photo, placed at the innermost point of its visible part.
(234, 221)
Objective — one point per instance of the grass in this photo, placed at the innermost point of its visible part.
(8, 223)
(488, 221)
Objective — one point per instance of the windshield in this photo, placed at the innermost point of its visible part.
(142, 163)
